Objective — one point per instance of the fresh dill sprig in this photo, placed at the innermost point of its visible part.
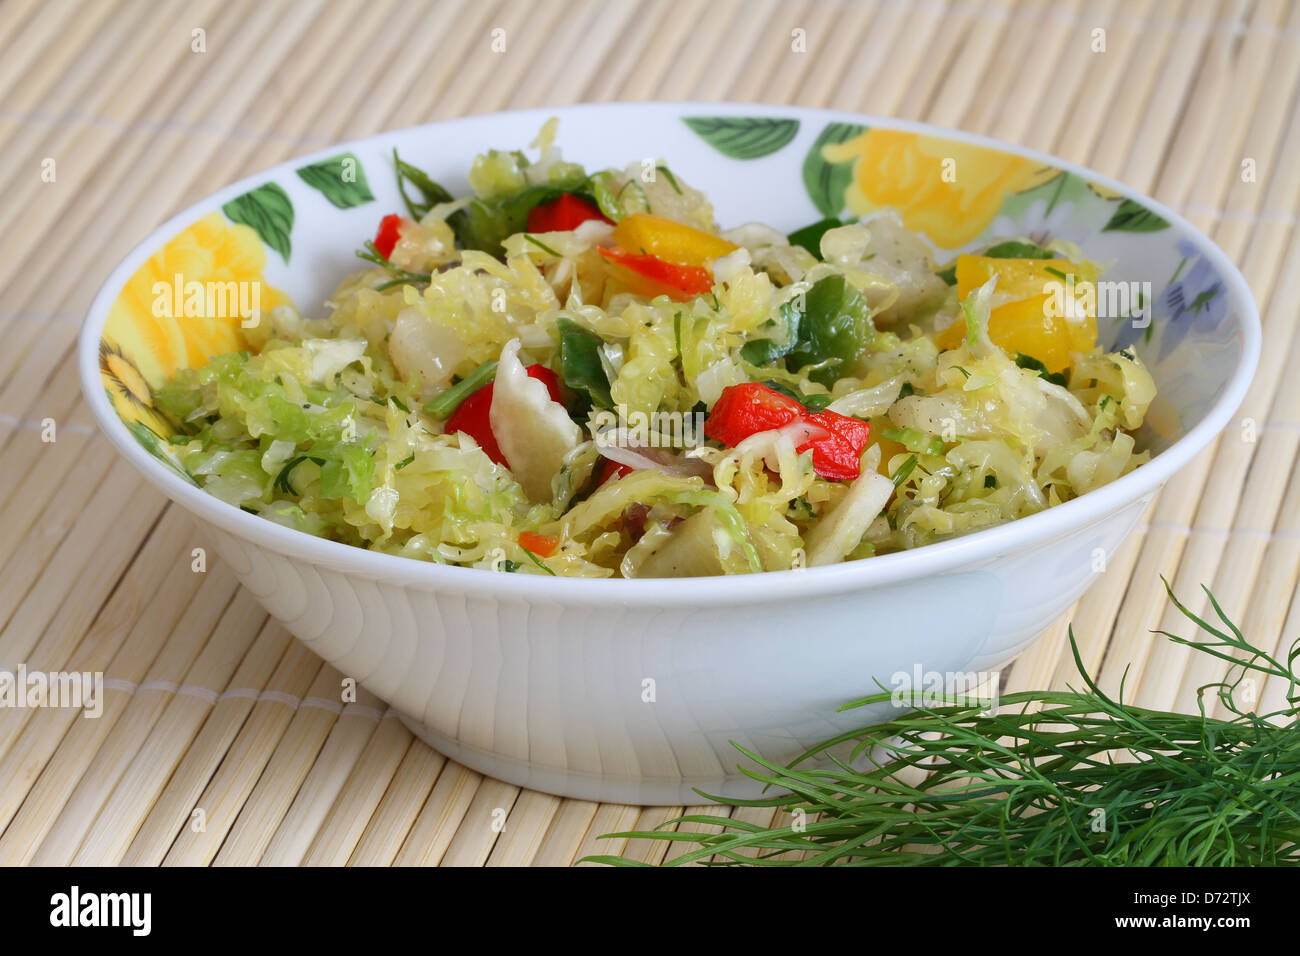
(431, 193)
(541, 245)
(537, 561)
(905, 470)
(400, 275)
(282, 482)
(1051, 778)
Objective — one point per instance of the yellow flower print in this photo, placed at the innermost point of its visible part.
(181, 308)
(130, 394)
(157, 328)
(948, 190)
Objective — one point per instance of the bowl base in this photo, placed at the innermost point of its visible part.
(633, 791)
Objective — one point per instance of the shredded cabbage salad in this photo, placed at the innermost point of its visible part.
(576, 373)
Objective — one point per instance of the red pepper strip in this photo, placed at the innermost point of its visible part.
(559, 215)
(389, 232)
(547, 378)
(542, 545)
(613, 470)
(837, 457)
(750, 408)
(473, 417)
(650, 275)
(744, 410)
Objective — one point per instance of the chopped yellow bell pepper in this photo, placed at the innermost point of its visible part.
(1030, 318)
(675, 242)
(888, 449)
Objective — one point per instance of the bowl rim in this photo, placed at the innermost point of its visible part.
(885, 569)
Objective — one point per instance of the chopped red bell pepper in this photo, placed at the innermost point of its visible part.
(837, 457)
(547, 378)
(542, 545)
(613, 470)
(390, 230)
(650, 275)
(744, 410)
(567, 212)
(473, 417)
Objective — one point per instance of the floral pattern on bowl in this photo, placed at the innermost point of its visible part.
(958, 192)
(536, 680)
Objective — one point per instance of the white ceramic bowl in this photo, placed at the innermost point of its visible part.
(631, 691)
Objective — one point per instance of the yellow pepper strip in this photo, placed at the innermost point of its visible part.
(675, 242)
(888, 449)
(1024, 321)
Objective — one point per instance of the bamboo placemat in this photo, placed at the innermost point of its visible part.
(213, 706)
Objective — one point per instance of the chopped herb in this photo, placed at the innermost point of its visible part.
(1057, 272)
(404, 462)
(400, 276)
(908, 389)
(810, 236)
(398, 402)
(536, 560)
(767, 351)
(580, 364)
(915, 440)
(282, 479)
(835, 330)
(1031, 363)
(444, 404)
(962, 370)
(905, 471)
(672, 180)
(431, 194)
(990, 481)
(541, 245)
(1015, 249)
(784, 390)
(800, 509)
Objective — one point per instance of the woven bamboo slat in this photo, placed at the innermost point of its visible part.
(222, 740)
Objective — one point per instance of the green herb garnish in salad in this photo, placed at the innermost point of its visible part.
(588, 357)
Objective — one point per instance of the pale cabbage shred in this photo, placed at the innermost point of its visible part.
(1013, 443)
